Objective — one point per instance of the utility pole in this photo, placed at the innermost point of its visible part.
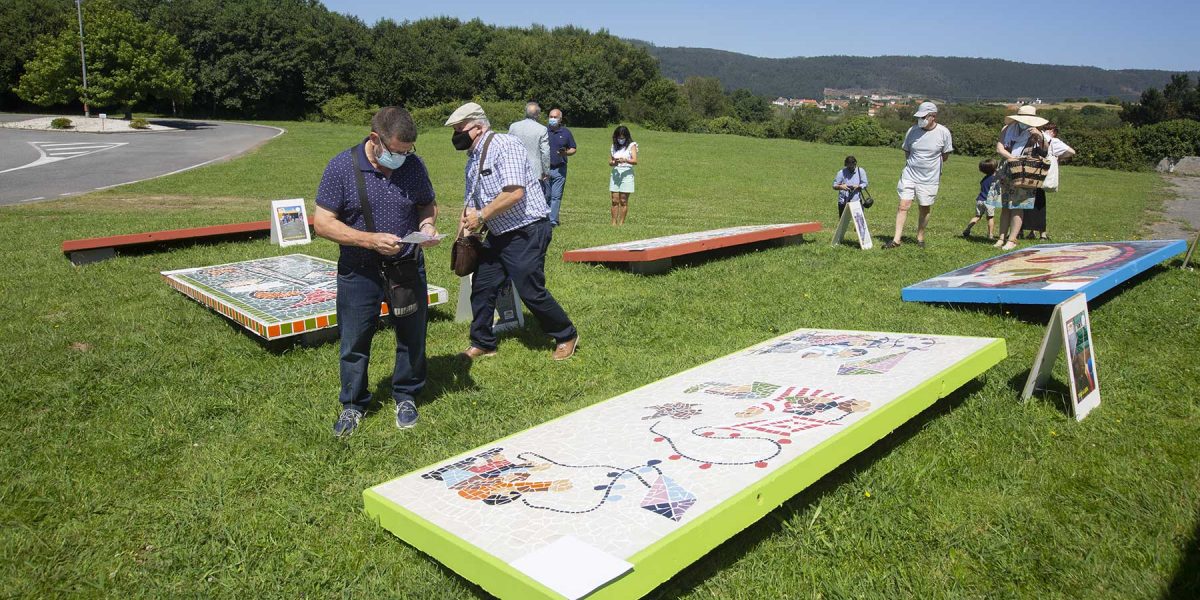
(82, 56)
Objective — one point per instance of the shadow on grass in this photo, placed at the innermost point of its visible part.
(1185, 585)
(732, 550)
(445, 374)
(1056, 393)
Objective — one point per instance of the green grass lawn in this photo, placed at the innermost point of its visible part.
(152, 450)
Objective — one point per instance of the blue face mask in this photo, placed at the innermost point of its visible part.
(552, 121)
(1022, 127)
(391, 160)
(620, 141)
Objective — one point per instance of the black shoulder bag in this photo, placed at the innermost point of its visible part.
(401, 277)
(464, 254)
(865, 196)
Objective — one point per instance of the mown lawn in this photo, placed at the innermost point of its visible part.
(152, 450)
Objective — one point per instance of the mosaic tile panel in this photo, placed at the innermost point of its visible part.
(273, 297)
(628, 473)
(685, 238)
(1047, 273)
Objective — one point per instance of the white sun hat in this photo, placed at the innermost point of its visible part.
(1028, 115)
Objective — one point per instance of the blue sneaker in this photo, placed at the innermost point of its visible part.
(406, 414)
(346, 422)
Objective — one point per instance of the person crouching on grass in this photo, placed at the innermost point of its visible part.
(982, 205)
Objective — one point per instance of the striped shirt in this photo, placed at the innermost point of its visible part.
(507, 165)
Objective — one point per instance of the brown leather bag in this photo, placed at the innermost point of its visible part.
(464, 254)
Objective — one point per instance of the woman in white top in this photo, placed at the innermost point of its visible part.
(1035, 220)
(622, 157)
(1019, 136)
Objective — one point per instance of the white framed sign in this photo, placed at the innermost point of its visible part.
(853, 213)
(289, 222)
(1070, 328)
(508, 314)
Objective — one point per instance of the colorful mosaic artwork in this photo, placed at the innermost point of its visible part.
(273, 297)
(1047, 273)
(623, 475)
(644, 254)
(874, 354)
(685, 238)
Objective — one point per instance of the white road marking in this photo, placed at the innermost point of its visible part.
(51, 154)
(32, 199)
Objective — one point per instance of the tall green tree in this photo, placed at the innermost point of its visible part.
(23, 22)
(706, 98)
(129, 61)
(749, 107)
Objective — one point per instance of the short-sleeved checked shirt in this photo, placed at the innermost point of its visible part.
(394, 200)
(507, 164)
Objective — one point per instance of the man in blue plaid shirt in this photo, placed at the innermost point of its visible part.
(504, 195)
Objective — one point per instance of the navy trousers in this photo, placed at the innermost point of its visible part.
(519, 255)
(360, 291)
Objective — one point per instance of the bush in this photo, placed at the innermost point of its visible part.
(806, 124)
(975, 139)
(1107, 149)
(61, 123)
(139, 123)
(860, 131)
(1168, 139)
(500, 114)
(347, 109)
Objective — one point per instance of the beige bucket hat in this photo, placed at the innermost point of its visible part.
(1028, 115)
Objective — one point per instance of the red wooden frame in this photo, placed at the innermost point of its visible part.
(649, 254)
(170, 235)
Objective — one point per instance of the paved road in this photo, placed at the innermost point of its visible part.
(42, 165)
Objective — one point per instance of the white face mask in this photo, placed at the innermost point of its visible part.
(923, 122)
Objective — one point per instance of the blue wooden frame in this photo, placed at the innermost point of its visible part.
(1147, 253)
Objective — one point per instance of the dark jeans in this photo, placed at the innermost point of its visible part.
(519, 255)
(360, 291)
(558, 182)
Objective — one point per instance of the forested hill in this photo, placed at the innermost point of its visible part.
(946, 78)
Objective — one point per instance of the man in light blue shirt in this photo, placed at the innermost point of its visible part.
(537, 142)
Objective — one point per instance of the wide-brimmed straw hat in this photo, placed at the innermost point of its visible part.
(1028, 115)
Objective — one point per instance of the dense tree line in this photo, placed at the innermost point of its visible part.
(286, 58)
(949, 78)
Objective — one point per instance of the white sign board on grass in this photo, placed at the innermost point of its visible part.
(853, 213)
(1070, 328)
(289, 223)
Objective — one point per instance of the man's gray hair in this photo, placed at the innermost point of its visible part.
(393, 122)
(484, 121)
(533, 110)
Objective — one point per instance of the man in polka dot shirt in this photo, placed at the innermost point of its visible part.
(401, 199)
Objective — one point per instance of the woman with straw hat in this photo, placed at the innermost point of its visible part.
(1020, 136)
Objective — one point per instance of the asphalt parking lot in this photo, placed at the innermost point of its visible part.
(43, 165)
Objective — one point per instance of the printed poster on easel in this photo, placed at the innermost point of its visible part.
(508, 314)
(289, 223)
(853, 212)
(1070, 328)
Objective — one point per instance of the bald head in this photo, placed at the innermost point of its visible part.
(555, 113)
(533, 110)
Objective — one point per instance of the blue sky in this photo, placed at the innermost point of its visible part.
(1103, 33)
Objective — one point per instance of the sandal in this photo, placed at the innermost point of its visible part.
(1009, 246)
(999, 242)
(891, 244)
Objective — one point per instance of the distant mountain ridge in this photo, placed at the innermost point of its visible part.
(954, 79)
